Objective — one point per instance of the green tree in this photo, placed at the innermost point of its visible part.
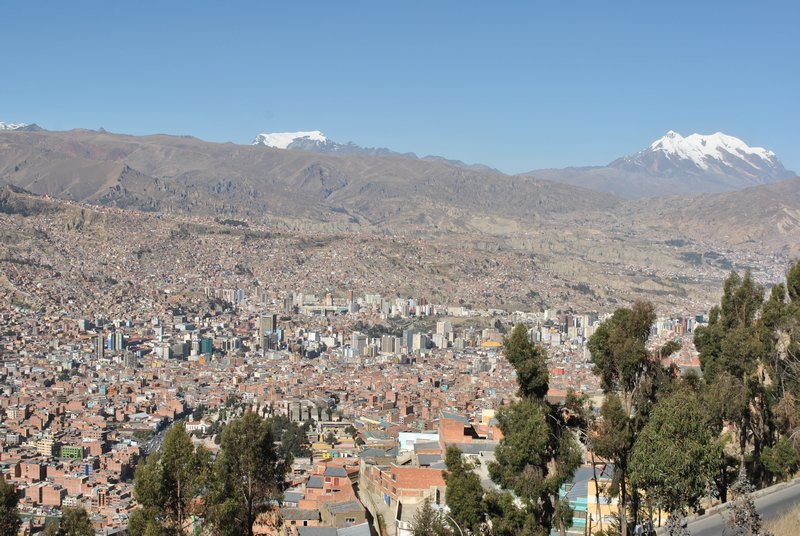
(780, 315)
(74, 522)
(736, 343)
(249, 474)
(429, 522)
(9, 515)
(675, 457)
(538, 453)
(782, 459)
(724, 401)
(577, 410)
(633, 379)
(529, 361)
(293, 437)
(618, 348)
(199, 412)
(331, 439)
(167, 484)
(464, 491)
(505, 518)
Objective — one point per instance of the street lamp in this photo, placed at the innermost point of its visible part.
(443, 510)
(454, 523)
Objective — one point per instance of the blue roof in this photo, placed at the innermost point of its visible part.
(355, 530)
(335, 471)
(454, 417)
(293, 496)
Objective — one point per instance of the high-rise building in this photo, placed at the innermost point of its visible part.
(358, 341)
(116, 341)
(408, 339)
(129, 359)
(267, 327)
(99, 346)
(387, 344)
(419, 342)
(440, 340)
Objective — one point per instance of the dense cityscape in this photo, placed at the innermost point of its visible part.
(86, 398)
(399, 269)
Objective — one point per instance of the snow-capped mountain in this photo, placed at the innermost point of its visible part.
(283, 140)
(12, 126)
(674, 165)
(316, 141)
(718, 155)
(33, 127)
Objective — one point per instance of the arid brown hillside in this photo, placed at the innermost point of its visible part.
(676, 249)
(763, 219)
(190, 176)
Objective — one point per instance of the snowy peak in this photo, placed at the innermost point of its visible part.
(315, 141)
(25, 127)
(12, 126)
(715, 155)
(698, 148)
(283, 140)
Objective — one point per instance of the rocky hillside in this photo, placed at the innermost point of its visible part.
(298, 188)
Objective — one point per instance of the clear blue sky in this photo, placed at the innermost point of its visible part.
(516, 85)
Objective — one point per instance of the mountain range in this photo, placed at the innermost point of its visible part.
(301, 181)
(315, 141)
(20, 126)
(291, 187)
(671, 165)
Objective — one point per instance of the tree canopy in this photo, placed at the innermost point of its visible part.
(291, 435)
(633, 380)
(464, 491)
(538, 453)
(166, 485)
(429, 522)
(748, 354)
(249, 475)
(73, 522)
(9, 516)
(675, 456)
(529, 361)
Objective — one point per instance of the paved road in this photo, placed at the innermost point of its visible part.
(154, 443)
(770, 506)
